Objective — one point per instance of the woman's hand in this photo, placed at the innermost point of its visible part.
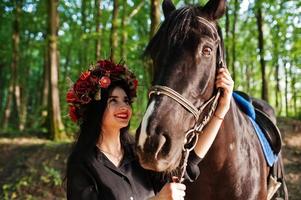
(224, 81)
(171, 191)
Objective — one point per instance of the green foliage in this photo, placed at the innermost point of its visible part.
(77, 37)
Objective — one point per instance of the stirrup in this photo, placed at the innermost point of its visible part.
(273, 186)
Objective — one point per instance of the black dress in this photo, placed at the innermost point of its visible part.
(96, 177)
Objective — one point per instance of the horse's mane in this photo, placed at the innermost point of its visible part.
(173, 31)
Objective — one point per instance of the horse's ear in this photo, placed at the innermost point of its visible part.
(215, 8)
(167, 7)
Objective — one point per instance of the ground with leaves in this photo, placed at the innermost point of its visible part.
(291, 131)
(32, 168)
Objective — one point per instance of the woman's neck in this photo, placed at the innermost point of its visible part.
(109, 144)
(110, 141)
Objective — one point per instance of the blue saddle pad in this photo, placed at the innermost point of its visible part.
(248, 108)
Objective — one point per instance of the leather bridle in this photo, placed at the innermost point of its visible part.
(191, 136)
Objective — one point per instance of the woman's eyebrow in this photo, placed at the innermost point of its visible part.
(116, 97)
(113, 97)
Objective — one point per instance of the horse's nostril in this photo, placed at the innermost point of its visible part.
(162, 140)
(158, 130)
(164, 145)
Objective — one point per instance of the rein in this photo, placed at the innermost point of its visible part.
(191, 136)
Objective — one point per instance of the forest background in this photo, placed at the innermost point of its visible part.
(46, 44)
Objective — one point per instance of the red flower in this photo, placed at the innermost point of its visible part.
(85, 75)
(82, 87)
(98, 63)
(72, 113)
(71, 97)
(118, 69)
(101, 63)
(85, 99)
(135, 84)
(105, 65)
(104, 82)
(93, 80)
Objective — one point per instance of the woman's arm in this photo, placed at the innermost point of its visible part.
(206, 138)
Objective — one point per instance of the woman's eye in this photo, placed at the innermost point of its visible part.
(112, 100)
(206, 51)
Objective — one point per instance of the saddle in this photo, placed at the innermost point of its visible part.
(265, 118)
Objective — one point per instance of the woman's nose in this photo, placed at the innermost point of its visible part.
(124, 106)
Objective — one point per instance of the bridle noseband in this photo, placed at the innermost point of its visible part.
(191, 136)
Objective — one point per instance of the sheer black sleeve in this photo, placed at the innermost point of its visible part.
(191, 174)
(192, 170)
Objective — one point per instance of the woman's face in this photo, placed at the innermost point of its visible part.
(118, 111)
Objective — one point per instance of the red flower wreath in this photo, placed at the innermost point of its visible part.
(104, 82)
(89, 84)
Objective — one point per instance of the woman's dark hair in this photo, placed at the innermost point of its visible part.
(90, 126)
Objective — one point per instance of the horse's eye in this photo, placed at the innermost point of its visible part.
(206, 51)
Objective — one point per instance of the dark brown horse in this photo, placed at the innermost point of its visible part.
(186, 52)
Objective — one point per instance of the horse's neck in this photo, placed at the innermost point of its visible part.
(235, 128)
(236, 115)
(233, 132)
(236, 122)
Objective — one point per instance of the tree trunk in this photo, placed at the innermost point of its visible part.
(97, 29)
(236, 7)
(45, 91)
(227, 36)
(278, 92)
(67, 62)
(24, 82)
(124, 32)
(248, 77)
(114, 31)
(276, 64)
(259, 20)
(155, 16)
(286, 89)
(7, 108)
(293, 89)
(3, 80)
(294, 92)
(15, 64)
(83, 50)
(56, 126)
(126, 17)
(155, 21)
(24, 98)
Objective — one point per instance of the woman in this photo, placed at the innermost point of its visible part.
(103, 164)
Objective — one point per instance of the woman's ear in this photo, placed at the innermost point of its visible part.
(167, 7)
(215, 8)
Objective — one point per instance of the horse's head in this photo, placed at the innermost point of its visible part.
(185, 52)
